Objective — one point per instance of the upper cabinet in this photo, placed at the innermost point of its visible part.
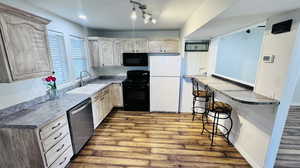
(24, 52)
(94, 52)
(163, 46)
(109, 51)
(106, 50)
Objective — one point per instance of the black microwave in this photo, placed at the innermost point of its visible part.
(135, 59)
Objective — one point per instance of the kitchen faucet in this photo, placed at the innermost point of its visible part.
(81, 77)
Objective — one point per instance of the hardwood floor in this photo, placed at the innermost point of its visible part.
(161, 140)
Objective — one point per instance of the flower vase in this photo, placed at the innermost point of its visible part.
(52, 93)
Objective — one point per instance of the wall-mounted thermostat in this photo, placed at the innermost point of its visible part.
(269, 58)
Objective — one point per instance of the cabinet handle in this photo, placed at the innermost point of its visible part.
(63, 161)
(56, 126)
(60, 134)
(60, 148)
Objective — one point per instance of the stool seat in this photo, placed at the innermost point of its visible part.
(200, 93)
(219, 107)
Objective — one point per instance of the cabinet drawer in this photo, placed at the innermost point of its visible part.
(64, 159)
(52, 127)
(58, 149)
(55, 137)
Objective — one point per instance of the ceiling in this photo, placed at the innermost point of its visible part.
(115, 14)
(242, 14)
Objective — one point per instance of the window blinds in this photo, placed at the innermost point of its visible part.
(58, 54)
(79, 61)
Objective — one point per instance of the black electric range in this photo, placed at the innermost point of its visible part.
(136, 91)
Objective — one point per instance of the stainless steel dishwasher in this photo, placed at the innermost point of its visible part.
(81, 124)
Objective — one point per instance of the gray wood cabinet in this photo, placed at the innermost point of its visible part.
(117, 95)
(118, 52)
(24, 52)
(96, 60)
(46, 147)
(141, 45)
(106, 51)
(163, 46)
(109, 51)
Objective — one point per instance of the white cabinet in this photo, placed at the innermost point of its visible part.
(163, 46)
(96, 60)
(117, 95)
(128, 45)
(97, 108)
(106, 51)
(141, 45)
(24, 52)
(102, 104)
(118, 52)
(109, 51)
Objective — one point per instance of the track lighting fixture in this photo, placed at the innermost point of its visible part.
(146, 15)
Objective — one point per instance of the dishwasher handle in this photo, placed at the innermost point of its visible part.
(80, 107)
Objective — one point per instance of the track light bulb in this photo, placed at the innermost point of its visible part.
(133, 14)
(153, 21)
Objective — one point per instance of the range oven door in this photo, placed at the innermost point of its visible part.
(136, 98)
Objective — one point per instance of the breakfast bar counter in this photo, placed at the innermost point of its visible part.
(233, 91)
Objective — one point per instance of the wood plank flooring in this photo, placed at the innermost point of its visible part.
(158, 140)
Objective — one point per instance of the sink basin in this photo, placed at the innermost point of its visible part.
(87, 89)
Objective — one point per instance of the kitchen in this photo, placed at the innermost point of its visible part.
(122, 91)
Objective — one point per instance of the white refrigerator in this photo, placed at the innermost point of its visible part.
(164, 82)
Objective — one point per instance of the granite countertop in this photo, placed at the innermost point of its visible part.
(39, 115)
(233, 91)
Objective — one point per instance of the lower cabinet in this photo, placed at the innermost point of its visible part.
(117, 95)
(104, 101)
(46, 147)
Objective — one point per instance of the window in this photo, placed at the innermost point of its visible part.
(79, 60)
(58, 54)
(238, 55)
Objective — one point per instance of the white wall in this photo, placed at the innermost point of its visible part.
(22, 91)
(208, 10)
(238, 55)
(271, 77)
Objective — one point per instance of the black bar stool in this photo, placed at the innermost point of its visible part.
(199, 96)
(217, 111)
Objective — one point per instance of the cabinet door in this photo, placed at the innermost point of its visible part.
(106, 47)
(26, 47)
(155, 46)
(117, 95)
(95, 111)
(118, 52)
(170, 46)
(94, 53)
(141, 45)
(101, 106)
(128, 46)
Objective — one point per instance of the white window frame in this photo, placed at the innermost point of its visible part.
(67, 71)
(84, 55)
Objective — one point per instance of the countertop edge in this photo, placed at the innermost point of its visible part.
(275, 102)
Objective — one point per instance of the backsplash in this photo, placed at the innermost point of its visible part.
(27, 104)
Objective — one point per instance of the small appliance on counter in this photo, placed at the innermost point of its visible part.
(81, 124)
(136, 92)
